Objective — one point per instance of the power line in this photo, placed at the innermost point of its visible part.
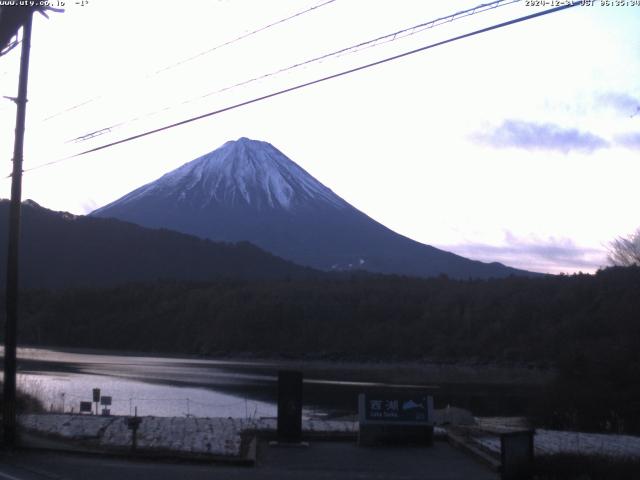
(71, 108)
(246, 35)
(313, 82)
(390, 37)
(203, 53)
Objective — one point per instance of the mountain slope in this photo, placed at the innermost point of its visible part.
(248, 190)
(63, 250)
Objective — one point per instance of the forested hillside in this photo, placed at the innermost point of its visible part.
(515, 319)
(61, 250)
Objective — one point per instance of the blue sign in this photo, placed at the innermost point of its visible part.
(397, 408)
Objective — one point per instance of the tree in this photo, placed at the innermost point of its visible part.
(625, 251)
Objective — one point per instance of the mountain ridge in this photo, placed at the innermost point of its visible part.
(62, 250)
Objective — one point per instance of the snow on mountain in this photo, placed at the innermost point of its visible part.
(245, 171)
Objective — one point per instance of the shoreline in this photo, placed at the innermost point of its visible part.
(404, 371)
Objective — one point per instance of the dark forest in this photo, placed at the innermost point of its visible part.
(585, 327)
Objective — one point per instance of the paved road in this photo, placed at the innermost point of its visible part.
(320, 461)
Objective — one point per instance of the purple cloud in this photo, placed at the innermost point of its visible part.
(621, 102)
(549, 255)
(629, 140)
(541, 136)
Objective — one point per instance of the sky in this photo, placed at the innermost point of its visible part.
(520, 145)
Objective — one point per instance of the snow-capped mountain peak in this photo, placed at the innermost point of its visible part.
(243, 172)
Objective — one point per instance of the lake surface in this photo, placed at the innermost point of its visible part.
(166, 386)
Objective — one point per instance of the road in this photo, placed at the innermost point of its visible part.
(319, 461)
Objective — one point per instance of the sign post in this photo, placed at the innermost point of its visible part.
(85, 407)
(96, 398)
(385, 418)
(105, 402)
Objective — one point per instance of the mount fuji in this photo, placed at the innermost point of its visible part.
(248, 190)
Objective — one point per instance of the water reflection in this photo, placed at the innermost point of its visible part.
(65, 391)
(162, 386)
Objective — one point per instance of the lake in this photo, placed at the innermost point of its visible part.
(170, 386)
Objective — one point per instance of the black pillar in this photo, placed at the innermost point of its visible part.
(289, 406)
(10, 340)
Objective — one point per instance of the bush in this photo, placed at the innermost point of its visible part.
(26, 402)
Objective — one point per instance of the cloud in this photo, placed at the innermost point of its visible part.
(629, 140)
(541, 136)
(550, 255)
(622, 103)
(88, 205)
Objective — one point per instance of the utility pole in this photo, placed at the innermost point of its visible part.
(10, 341)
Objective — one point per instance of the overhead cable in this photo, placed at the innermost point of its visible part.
(198, 55)
(375, 42)
(313, 82)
